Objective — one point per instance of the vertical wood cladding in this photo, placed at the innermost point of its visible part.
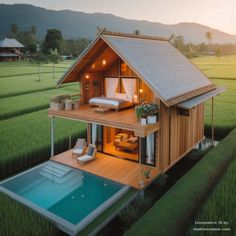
(179, 133)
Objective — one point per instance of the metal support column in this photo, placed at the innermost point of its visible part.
(52, 136)
(212, 122)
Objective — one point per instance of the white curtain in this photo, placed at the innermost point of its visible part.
(130, 87)
(150, 148)
(94, 133)
(111, 85)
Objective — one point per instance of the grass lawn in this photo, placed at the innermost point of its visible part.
(222, 72)
(221, 205)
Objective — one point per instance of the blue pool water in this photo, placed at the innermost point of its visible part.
(66, 192)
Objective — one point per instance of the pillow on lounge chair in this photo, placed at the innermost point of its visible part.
(90, 150)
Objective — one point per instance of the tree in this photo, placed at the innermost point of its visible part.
(209, 36)
(54, 58)
(14, 30)
(74, 46)
(53, 40)
(39, 58)
(137, 32)
(178, 42)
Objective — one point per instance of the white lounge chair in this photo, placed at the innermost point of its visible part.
(79, 147)
(90, 154)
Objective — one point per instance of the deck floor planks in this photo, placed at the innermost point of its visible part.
(125, 119)
(119, 170)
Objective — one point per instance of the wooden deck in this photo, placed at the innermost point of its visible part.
(124, 119)
(122, 171)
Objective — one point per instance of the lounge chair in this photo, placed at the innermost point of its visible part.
(79, 147)
(90, 154)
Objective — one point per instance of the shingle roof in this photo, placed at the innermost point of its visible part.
(171, 76)
(10, 43)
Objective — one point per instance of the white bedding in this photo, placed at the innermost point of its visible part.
(101, 100)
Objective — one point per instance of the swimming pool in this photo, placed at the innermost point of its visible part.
(69, 197)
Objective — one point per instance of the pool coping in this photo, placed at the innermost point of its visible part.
(62, 224)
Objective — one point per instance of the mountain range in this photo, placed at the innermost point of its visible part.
(74, 24)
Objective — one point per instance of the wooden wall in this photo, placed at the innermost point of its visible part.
(91, 86)
(179, 133)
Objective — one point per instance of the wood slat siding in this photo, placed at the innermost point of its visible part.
(179, 134)
(86, 94)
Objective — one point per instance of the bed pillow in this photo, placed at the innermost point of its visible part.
(132, 140)
(123, 96)
(123, 136)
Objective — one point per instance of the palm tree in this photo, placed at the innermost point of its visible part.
(209, 36)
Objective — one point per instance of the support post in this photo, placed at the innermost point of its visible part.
(52, 136)
(212, 122)
(141, 183)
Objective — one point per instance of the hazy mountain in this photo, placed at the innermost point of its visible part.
(78, 24)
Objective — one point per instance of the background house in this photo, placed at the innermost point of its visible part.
(10, 50)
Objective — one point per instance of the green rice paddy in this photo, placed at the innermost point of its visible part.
(220, 205)
(222, 72)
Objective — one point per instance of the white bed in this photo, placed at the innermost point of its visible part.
(117, 102)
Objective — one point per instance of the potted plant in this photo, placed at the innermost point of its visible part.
(152, 111)
(141, 114)
(58, 102)
(147, 172)
(68, 104)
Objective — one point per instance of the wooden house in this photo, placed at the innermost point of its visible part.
(133, 68)
(10, 50)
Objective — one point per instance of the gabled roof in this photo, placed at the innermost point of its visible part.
(10, 43)
(171, 76)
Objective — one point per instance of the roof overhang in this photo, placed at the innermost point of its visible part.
(188, 104)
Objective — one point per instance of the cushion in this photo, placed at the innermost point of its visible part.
(78, 151)
(116, 141)
(85, 158)
(123, 96)
(90, 151)
(132, 140)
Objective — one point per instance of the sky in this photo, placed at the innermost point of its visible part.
(218, 14)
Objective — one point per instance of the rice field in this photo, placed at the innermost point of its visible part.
(26, 103)
(220, 205)
(25, 127)
(222, 72)
(25, 140)
(24, 124)
(16, 219)
(21, 78)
